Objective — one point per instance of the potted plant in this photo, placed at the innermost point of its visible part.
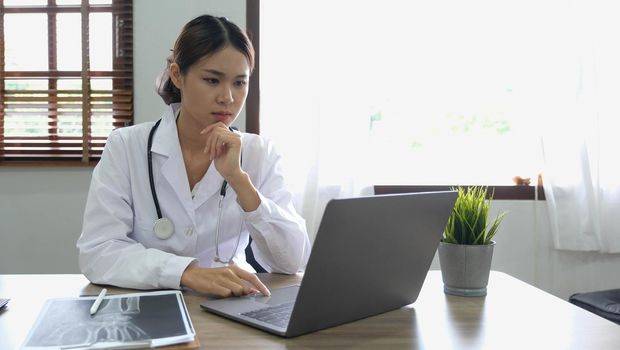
(466, 249)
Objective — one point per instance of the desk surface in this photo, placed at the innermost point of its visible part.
(514, 315)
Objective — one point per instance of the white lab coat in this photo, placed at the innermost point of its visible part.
(117, 245)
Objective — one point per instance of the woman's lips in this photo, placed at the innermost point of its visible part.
(221, 115)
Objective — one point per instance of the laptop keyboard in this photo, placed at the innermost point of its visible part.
(277, 315)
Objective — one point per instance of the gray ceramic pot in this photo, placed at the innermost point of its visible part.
(465, 268)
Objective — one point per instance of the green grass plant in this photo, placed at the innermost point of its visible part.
(468, 222)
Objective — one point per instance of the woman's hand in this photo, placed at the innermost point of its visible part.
(222, 281)
(223, 146)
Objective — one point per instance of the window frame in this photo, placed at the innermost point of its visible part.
(252, 104)
(119, 99)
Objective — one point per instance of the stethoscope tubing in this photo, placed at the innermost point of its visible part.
(150, 164)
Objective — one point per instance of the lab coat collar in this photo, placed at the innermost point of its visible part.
(166, 144)
(166, 139)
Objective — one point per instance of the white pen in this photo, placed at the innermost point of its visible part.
(97, 302)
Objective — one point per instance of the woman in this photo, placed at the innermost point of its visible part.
(195, 158)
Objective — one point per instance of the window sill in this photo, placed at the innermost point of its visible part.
(500, 192)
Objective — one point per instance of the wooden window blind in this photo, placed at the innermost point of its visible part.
(66, 78)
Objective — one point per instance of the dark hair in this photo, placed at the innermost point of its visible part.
(201, 37)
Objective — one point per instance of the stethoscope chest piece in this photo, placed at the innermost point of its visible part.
(163, 228)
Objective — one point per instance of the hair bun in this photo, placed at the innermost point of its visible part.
(164, 86)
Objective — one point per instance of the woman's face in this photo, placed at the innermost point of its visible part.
(214, 89)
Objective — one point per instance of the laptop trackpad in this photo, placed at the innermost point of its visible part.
(278, 296)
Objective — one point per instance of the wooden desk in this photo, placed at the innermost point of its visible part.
(514, 315)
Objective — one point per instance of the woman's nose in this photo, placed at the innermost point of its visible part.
(225, 96)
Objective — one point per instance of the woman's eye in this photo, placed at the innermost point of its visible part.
(211, 81)
(240, 83)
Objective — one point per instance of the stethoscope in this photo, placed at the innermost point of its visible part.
(164, 228)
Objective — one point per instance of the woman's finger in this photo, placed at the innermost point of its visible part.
(205, 132)
(235, 288)
(223, 282)
(213, 145)
(253, 279)
(223, 148)
(218, 290)
(231, 273)
(220, 142)
(208, 133)
(232, 281)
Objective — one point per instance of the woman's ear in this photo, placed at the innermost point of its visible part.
(175, 75)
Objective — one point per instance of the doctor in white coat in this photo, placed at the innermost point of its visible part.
(193, 153)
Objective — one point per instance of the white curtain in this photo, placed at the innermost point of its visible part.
(356, 93)
(310, 91)
(582, 170)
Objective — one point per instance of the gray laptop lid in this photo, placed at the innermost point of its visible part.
(370, 255)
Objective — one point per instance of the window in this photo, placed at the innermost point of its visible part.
(431, 93)
(66, 78)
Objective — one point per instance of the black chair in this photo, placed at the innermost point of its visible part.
(605, 303)
(249, 257)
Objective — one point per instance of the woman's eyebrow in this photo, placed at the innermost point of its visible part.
(221, 74)
(213, 71)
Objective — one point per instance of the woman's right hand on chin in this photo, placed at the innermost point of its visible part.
(222, 281)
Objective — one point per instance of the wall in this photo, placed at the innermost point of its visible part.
(156, 26)
(40, 218)
(41, 208)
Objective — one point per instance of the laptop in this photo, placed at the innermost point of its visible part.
(370, 255)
